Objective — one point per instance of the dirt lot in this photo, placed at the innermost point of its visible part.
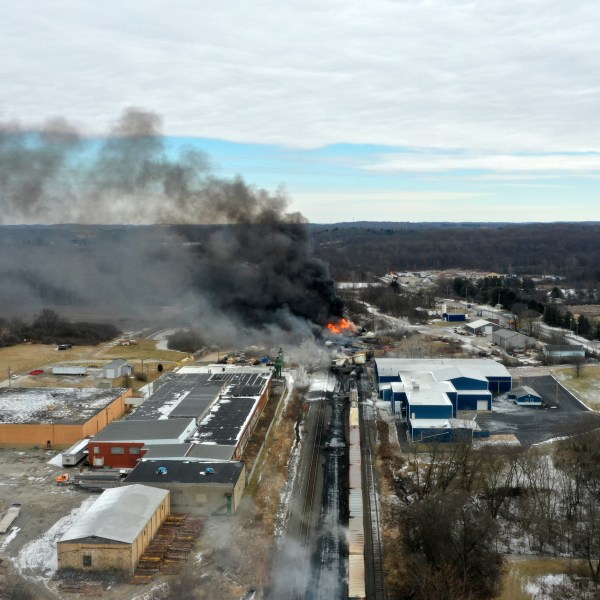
(27, 478)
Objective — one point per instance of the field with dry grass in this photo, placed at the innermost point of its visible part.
(23, 358)
(523, 574)
(143, 349)
(28, 356)
(587, 385)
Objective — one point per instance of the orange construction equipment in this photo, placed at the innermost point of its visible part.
(62, 479)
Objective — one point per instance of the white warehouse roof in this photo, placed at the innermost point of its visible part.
(428, 398)
(454, 372)
(478, 324)
(119, 514)
(485, 366)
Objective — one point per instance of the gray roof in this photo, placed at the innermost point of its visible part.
(118, 362)
(211, 452)
(138, 431)
(524, 390)
(178, 471)
(198, 452)
(564, 348)
(167, 450)
(175, 395)
(505, 333)
(119, 514)
(478, 324)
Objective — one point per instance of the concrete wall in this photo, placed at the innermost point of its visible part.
(104, 557)
(199, 500)
(239, 451)
(60, 435)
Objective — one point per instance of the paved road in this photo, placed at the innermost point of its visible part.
(534, 425)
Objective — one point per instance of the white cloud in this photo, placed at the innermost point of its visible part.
(389, 205)
(500, 75)
(520, 165)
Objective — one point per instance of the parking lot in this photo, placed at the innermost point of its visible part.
(564, 416)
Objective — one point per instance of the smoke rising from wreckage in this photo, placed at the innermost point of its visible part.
(222, 255)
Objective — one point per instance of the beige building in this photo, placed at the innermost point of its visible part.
(114, 532)
(197, 488)
(57, 417)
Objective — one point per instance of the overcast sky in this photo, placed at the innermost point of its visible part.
(402, 110)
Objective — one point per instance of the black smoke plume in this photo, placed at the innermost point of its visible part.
(214, 252)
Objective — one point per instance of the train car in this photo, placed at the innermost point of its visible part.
(356, 532)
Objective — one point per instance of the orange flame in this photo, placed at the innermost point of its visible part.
(342, 326)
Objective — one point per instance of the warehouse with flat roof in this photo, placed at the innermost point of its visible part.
(57, 417)
(196, 488)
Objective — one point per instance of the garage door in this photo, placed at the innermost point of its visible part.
(482, 405)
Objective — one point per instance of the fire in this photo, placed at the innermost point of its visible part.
(342, 326)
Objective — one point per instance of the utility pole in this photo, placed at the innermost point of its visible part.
(9, 375)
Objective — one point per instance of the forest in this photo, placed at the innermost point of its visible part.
(355, 252)
(457, 513)
(49, 328)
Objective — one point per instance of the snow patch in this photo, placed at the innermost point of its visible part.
(40, 554)
(9, 538)
(56, 461)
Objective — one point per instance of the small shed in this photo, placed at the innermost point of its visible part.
(481, 327)
(525, 396)
(512, 340)
(114, 532)
(454, 317)
(116, 368)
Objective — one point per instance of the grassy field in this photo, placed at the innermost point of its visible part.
(587, 385)
(523, 572)
(145, 349)
(25, 357)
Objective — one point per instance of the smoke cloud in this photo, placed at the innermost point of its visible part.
(215, 252)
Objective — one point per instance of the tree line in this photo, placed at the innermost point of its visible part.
(566, 249)
(49, 328)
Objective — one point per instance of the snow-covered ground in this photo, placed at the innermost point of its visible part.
(56, 461)
(9, 538)
(38, 558)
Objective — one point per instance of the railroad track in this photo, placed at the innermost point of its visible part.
(299, 576)
(373, 542)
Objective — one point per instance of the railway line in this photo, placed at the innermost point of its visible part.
(311, 564)
(293, 567)
(372, 514)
